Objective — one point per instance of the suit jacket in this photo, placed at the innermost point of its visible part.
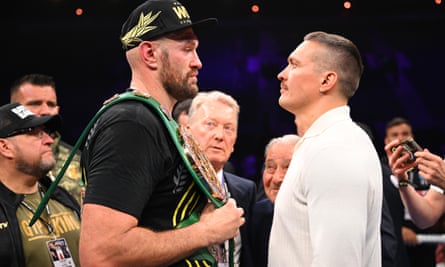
(388, 237)
(396, 209)
(244, 192)
(260, 231)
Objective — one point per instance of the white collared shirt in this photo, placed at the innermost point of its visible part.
(237, 249)
(328, 209)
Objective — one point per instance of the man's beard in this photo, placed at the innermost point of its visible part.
(176, 86)
(37, 169)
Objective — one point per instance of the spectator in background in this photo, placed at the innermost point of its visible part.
(277, 157)
(25, 159)
(181, 111)
(412, 253)
(181, 114)
(37, 92)
(213, 121)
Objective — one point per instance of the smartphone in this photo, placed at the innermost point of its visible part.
(410, 146)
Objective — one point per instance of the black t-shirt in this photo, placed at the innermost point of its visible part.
(133, 166)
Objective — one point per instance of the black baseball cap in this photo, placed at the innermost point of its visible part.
(155, 18)
(15, 117)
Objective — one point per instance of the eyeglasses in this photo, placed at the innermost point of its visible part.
(35, 131)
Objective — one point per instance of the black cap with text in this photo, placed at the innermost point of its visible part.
(155, 18)
(15, 117)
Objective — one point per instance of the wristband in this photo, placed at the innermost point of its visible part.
(403, 183)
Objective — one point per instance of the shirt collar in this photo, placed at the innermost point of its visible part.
(219, 175)
(326, 120)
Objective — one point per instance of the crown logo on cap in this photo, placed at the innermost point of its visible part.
(143, 26)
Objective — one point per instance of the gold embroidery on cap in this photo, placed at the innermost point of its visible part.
(143, 26)
(181, 12)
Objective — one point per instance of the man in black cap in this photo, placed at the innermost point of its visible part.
(25, 159)
(139, 194)
(37, 92)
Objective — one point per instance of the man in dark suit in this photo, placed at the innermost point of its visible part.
(277, 157)
(213, 122)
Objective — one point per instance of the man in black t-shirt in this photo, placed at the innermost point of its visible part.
(139, 194)
(25, 159)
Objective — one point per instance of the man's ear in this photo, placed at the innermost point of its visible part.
(328, 80)
(6, 148)
(147, 52)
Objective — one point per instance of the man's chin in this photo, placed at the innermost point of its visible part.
(190, 93)
(216, 160)
(282, 102)
(48, 165)
(194, 89)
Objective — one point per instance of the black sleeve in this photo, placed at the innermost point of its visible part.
(124, 159)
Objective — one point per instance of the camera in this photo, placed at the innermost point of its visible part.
(409, 146)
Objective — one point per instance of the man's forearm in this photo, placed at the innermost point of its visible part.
(118, 241)
(418, 207)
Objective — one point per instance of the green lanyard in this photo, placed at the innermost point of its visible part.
(48, 212)
(172, 128)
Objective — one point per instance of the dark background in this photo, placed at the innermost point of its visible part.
(402, 45)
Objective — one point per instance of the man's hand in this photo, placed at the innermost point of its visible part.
(409, 236)
(397, 160)
(222, 223)
(431, 167)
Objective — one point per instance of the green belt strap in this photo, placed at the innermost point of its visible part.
(172, 128)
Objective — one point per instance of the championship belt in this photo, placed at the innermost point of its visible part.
(206, 177)
(202, 166)
(194, 159)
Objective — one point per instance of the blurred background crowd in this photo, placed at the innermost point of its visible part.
(402, 44)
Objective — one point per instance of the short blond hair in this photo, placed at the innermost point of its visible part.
(205, 97)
